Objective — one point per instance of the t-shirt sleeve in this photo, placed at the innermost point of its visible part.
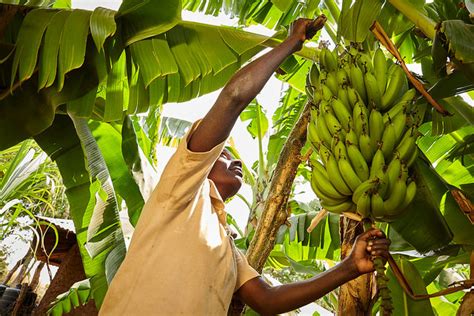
(245, 272)
(185, 172)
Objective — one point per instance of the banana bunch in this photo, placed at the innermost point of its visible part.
(363, 128)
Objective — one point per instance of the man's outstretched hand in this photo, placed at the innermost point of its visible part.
(372, 243)
(305, 29)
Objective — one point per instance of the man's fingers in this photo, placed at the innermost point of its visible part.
(371, 234)
(380, 253)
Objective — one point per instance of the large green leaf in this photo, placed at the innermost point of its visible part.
(72, 49)
(460, 37)
(402, 303)
(48, 62)
(109, 138)
(28, 42)
(284, 119)
(102, 25)
(87, 199)
(143, 19)
(258, 123)
(355, 22)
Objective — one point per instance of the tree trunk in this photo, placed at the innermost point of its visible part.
(355, 297)
(467, 305)
(274, 212)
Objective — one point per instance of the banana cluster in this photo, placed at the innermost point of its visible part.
(364, 128)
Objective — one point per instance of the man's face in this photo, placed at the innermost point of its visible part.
(227, 175)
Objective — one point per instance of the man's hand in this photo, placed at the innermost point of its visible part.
(372, 243)
(305, 29)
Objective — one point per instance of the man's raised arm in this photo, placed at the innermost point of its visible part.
(244, 86)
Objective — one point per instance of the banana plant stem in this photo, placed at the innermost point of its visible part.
(423, 22)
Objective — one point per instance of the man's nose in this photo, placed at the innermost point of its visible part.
(236, 162)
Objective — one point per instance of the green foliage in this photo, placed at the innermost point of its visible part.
(91, 196)
(356, 20)
(79, 294)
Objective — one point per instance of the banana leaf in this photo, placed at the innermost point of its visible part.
(355, 22)
(144, 19)
(102, 25)
(402, 303)
(19, 171)
(89, 199)
(109, 138)
(459, 36)
(422, 224)
(79, 294)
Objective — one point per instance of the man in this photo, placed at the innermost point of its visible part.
(182, 260)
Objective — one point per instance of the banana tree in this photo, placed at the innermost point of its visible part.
(409, 31)
(118, 75)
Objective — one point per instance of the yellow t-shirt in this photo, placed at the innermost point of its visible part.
(181, 260)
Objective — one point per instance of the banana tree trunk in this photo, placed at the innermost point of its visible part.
(355, 297)
(467, 305)
(274, 212)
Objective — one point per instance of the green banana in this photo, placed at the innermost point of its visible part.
(331, 82)
(342, 114)
(342, 77)
(397, 196)
(388, 141)
(365, 62)
(332, 123)
(357, 161)
(321, 177)
(360, 116)
(353, 96)
(324, 152)
(315, 185)
(324, 107)
(322, 130)
(348, 173)
(376, 126)
(399, 124)
(380, 69)
(366, 147)
(413, 157)
(347, 206)
(402, 105)
(410, 195)
(365, 186)
(330, 59)
(326, 92)
(373, 93)
(394, 86)
(394, 169)
(363, 205)
(314, 75)
(407, 145)
(322, 62)
(338, 148)
(404, 171)
(336, 177)
(344, 98)
(312, 135)
(378, 163)
(377, 206)
(351, 137)
(357, 80)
